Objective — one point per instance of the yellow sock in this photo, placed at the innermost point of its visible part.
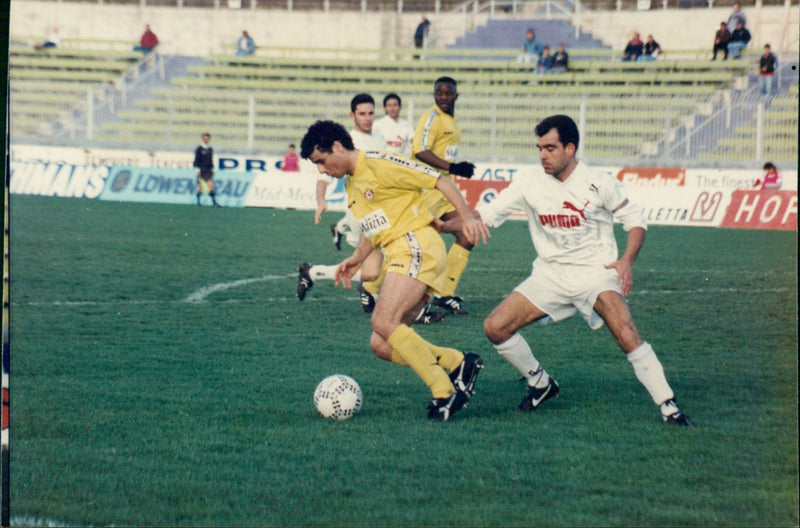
(374, 286)
(397, 359)
(448, 358)
(417, 353)
(457, 259)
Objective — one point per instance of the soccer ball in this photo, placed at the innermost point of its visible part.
(337, 397)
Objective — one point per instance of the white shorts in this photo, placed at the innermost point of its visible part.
(561, 290)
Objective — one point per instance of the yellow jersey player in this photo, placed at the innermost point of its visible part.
(435, 143)
(384, 192)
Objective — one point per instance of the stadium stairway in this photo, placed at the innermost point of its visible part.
(143, 86)
(500, 34)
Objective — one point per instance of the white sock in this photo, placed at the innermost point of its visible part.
(321, 272)
(650, 373)
(341, 225)
(517, 352)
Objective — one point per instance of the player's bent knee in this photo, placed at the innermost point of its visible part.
(496, 334)
(380, 347)
(382, 325)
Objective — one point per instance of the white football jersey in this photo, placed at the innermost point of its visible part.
(570, 222)
(362, 141)
(398, 134)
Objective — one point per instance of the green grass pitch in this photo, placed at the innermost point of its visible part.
(162, 373)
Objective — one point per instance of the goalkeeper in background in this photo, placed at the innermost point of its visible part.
(204, 163)
(384, 193)
(435, 143)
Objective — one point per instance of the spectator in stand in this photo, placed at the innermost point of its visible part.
(148, 42)
(560, 60)
(245, 46)
(770, 180)
(737, 17)
(634, 48)
(531, 49)
(766, 71)
(53, 40)
(652, 50)
(545, 61)
(421, 34)
(291, 163)
(739, 39)
(721, 39)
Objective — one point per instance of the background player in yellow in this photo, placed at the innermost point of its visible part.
(435, 143)
(384, 192)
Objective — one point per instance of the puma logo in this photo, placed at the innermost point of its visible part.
(567, 205)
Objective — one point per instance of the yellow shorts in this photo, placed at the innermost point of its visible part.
(421, 255)
(436, 203)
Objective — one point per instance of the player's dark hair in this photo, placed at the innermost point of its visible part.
(445, 79)
(392, 96)
(322, 135)
(564, 125)
(769, 165)
(359, 99)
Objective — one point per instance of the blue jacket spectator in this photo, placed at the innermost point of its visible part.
(532, 48)
(560, 60)
(545, 62)
(739, 39)
(245, 45)
(634, 48)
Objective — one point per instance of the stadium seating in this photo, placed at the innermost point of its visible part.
(287, 93)
(46, 86)
(282, 94)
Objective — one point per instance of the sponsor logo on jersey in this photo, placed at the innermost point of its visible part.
(565, 220)
(567, 205)
(374, 223)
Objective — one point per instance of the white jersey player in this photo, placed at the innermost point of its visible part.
(398, 132)
(578, 269)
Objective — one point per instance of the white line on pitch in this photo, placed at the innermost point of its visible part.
(201, 294)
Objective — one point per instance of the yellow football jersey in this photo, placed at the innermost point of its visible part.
(439, 133)
(384, 194)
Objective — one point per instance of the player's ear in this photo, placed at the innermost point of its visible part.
(336, 147)
(570, 148)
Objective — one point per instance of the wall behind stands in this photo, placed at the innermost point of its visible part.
(203, 31)
(199, 31)
(683, 29)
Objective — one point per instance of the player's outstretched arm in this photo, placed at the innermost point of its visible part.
(464, 169)
(471, 224)
(322, 206)
(429, 158)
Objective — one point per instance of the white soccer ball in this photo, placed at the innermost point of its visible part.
(337, 397)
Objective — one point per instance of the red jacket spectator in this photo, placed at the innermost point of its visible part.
(148, 41)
